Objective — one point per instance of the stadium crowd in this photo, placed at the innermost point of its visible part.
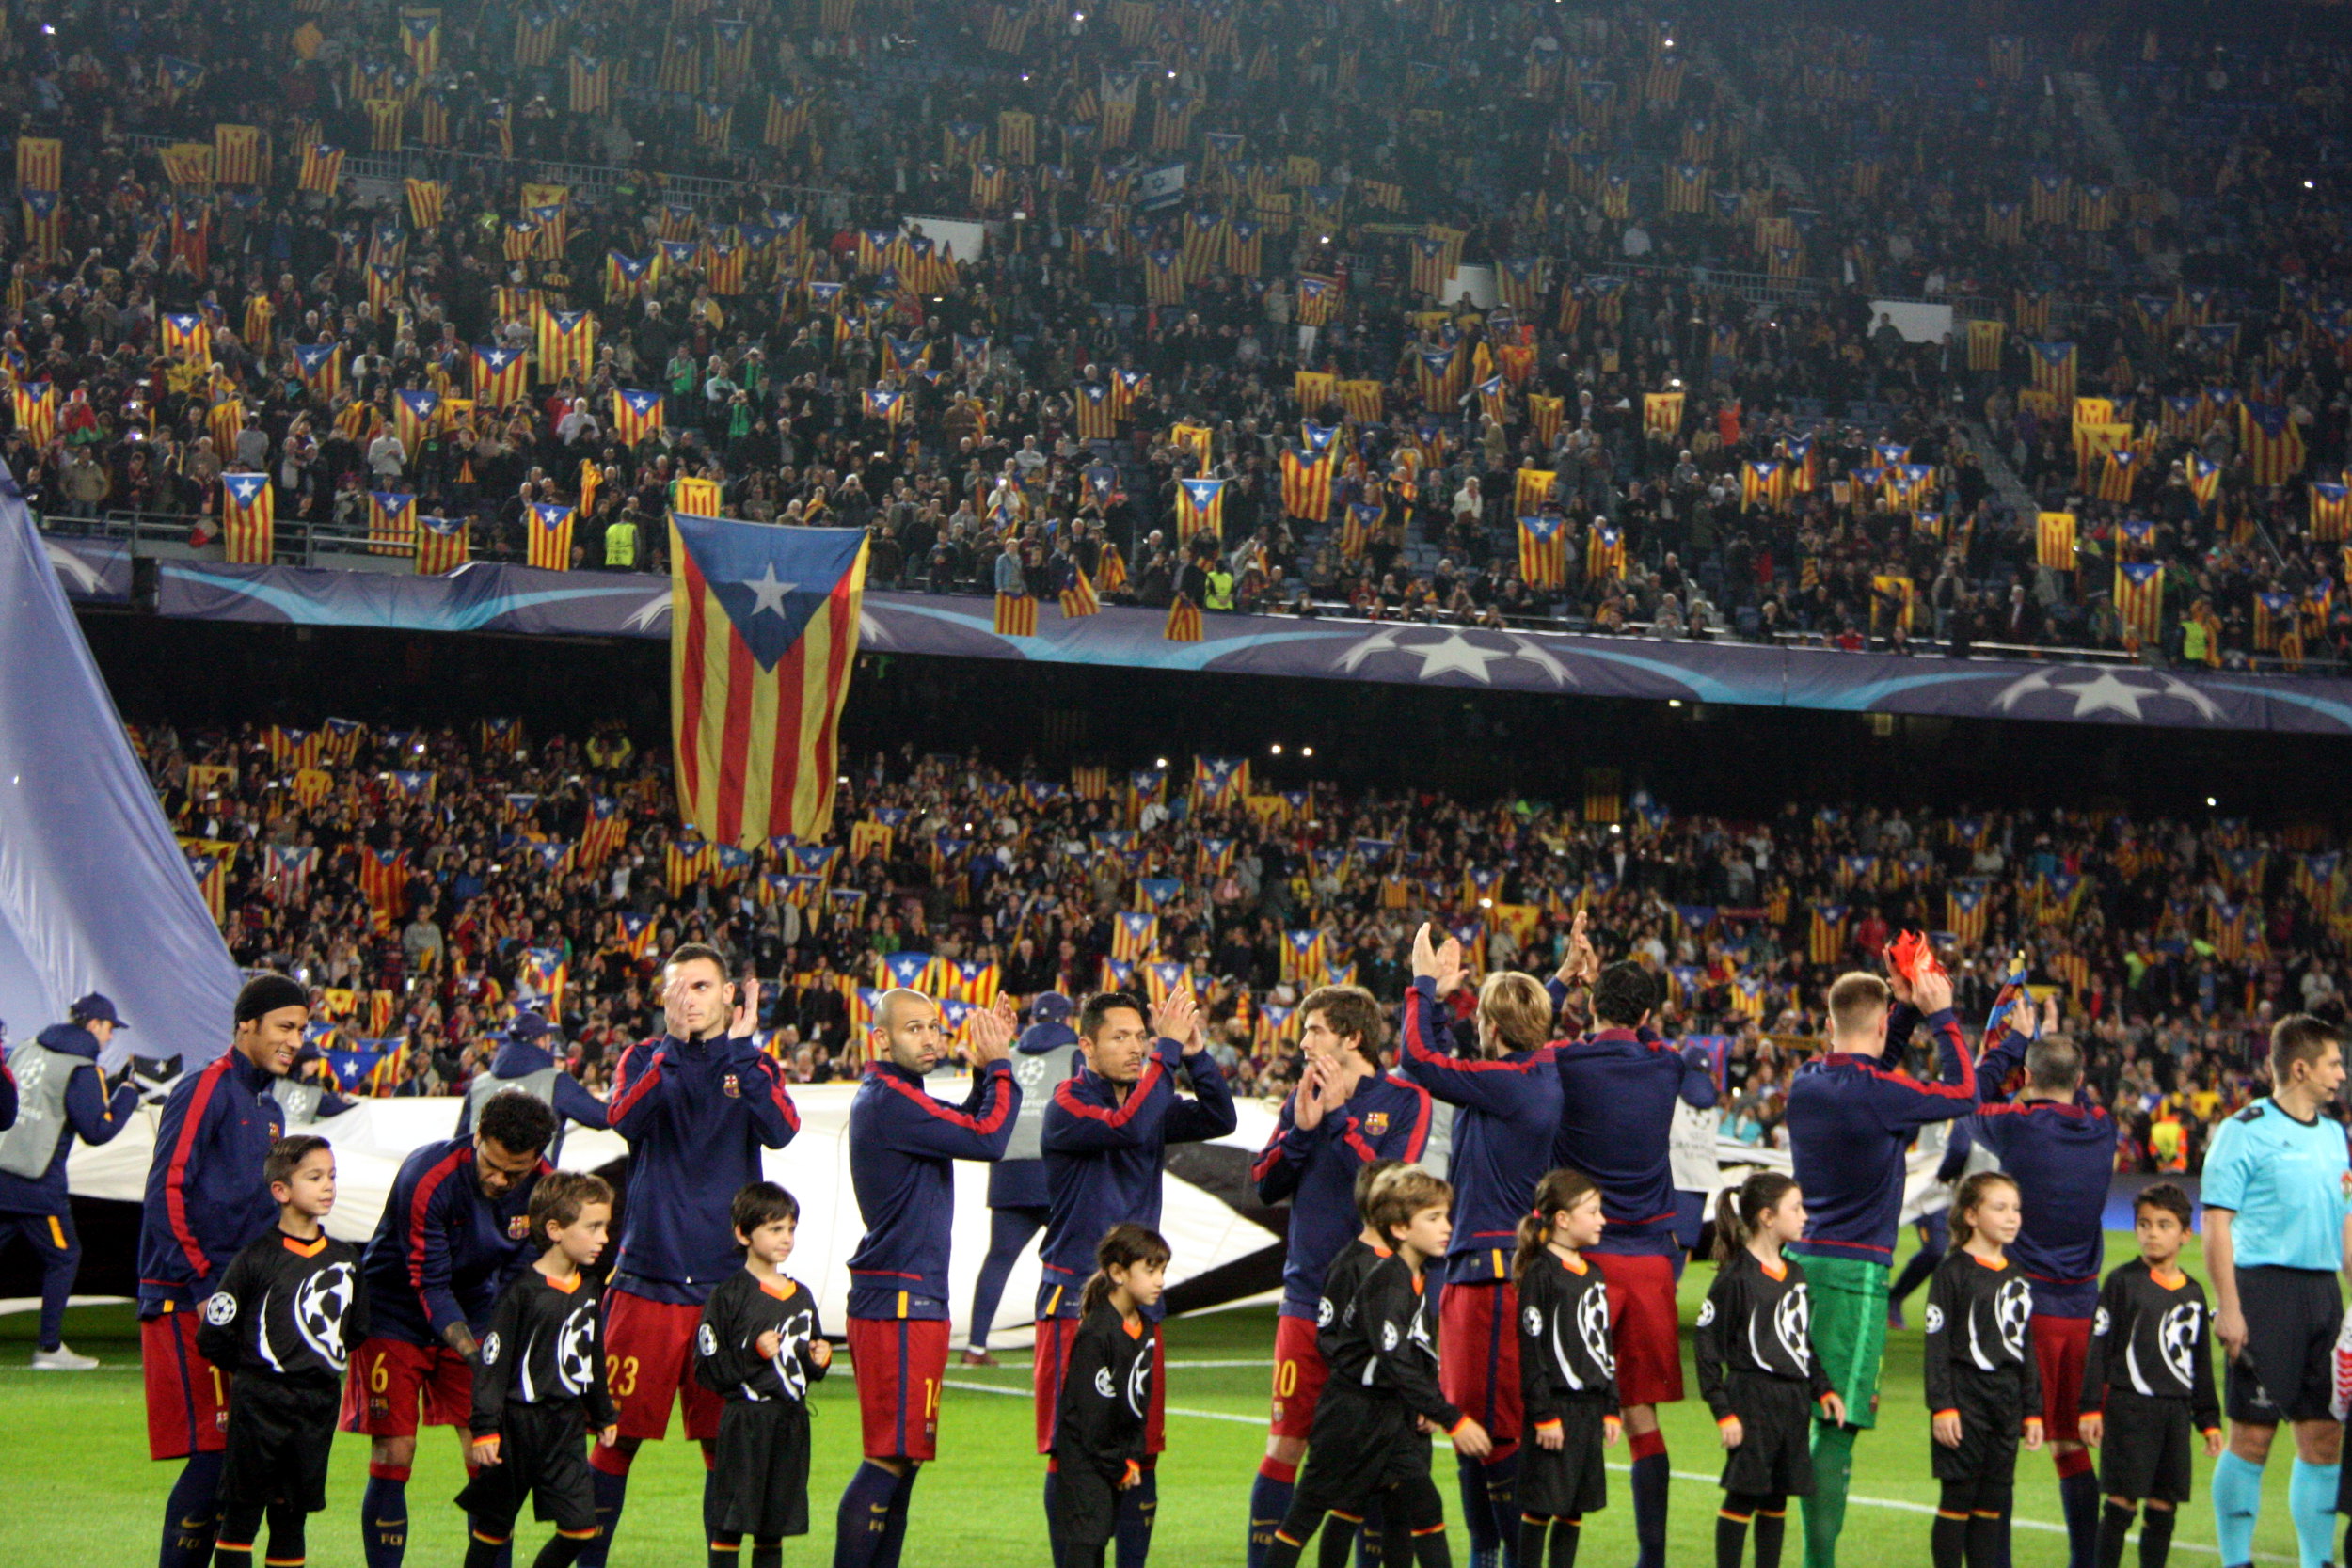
(427, 884)
(1671, 365)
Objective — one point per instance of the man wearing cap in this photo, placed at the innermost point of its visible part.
(526, 1061)
(206, 1201)
(62, 1096)
(1046, 1053)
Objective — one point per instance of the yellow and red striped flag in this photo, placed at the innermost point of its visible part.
(2140, 601)
(550, 536)
(1201, 507)
(1604, 552)
(415, 412)
(322, 168)
(1543, 551)
(39, 164)
(1307, 485)
(1016, 615)
(37, 412)
(2054, 541)
(249, 517)
(443, 545)
(1078, 599)
(567, 344)
(636, 416)
(1183, 621)
(499, 373)
(763, 628)
(391, 523)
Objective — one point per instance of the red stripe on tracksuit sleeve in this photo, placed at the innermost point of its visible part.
(423, 1199)
(629, 1090)
(944, 1112)
(1420, 1140)
(1066, 1096)
(176, 1173)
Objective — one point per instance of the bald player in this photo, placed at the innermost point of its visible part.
(902, 1146)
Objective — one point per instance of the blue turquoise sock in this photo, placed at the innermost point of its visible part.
(864, 1519)
(2237, 1501)
(2311, 1499)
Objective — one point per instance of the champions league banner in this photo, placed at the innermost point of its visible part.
(515, 599)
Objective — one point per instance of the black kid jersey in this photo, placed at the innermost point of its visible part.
(545, 1345)
(1755, 1320)
(1107, 1393)
(743, 1307)
(288, 1307)
(1564, 1337)
(1373, 1328)
(1975, 1323)
(2154, 1338)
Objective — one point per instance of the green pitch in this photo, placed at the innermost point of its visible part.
(76, 1486)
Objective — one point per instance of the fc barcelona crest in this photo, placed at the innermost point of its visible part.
(733, 1089)
(518, 1228)
(1376, 1123)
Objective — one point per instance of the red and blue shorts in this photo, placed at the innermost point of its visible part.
(1645, 1329)
(388, 1381)
(2060, 1346)
(1300, 1373)
(1053, 1336)
(649, 1365)
(899, 1364)
(187, 1397)
(1479, 1328)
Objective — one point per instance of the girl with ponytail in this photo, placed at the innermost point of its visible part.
(1756, 1367)
(1568, 1377)
(1099, 1423)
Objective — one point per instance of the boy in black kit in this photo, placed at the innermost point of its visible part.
(2150, 1367)
(283, 1321)
(760, 1347)
(1378, 1337)
(538, 1389)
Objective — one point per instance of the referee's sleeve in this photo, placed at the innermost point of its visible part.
(2223, 1185)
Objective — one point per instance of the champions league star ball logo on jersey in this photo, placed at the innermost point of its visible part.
(1707, 1312)
(792, 1337)
(1792, 1322)
(576, 1349)
(1322, 1313)
(1534, 1318)
(2176, 1334)
(2012, 1307)
(1592, 1323)
(1139, 1386)
(1934, 1324)
(318, 1311)
(220, 1309)
(1102, 1385)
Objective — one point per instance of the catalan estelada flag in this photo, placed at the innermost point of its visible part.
(636, 415)
(37, 413)
(443, 545)
(391, 523)
(415, 411)
(1604, 552)
(567, 344)
(2331, 508)
(2140, 601)
(320, 366)
(1307, 485)
(2054, 541)
(426, 199)
(1078, 599)
(550, 541)
(1543, 551)
(763, 634)
(249, 517)
(1200, 506)
(498, 373)
(39, 164)
(322, 168)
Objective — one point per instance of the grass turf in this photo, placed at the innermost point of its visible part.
(76, 1486)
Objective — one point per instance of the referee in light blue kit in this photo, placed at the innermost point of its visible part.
(2278, 1195)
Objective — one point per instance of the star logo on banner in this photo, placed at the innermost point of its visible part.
(766, 592)
(2106, 692)
(1455, 653)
